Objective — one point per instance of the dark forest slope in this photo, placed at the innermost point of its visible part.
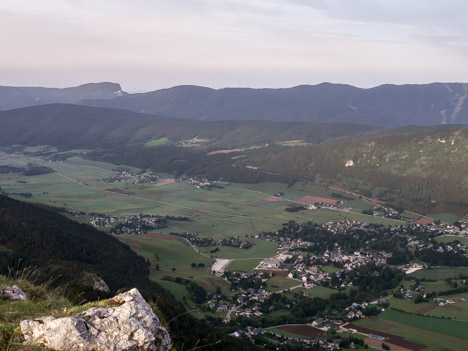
(71, 126)
(47, 239)
(385, 105)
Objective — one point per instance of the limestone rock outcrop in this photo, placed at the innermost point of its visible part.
(13, 293)
(128, 323)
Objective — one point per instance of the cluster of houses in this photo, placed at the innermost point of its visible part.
(443, 302)
(418, 245)
(195, 239)
(102, 221)
(125, 175)
(321, 325)
(203, 183)
(133, 224)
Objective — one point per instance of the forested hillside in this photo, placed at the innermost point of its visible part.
(16, 97)
(385, 105)
(73, 126)
(49, 240)
(428, 167)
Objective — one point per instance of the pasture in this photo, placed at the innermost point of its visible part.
(261, 249)
(217, 213)
(448, 327)
(168, 253)
(435, 340)
(316, 291)
(439, 273)
(444, 217)
(451, 238)
(157, 142)
(279, 282)
(243, 265)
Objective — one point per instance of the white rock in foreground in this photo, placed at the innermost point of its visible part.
(129, 325)
(13, 293)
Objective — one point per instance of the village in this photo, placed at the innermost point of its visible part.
(132, 224)
(254, 298)
(125, 175)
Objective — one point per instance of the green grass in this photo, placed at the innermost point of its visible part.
(278, 283)
(182, 295)
(157, 142)
(440, 273)
(455, 315)
(451, 238)
(444, 217)
(435, 341)
(452, 328)
(261, 249)
(283, 333)
(243, 265)
(317, 291)
(168, 254)
(407, 306)
(218, 213)
(210, 283)
(331, 269)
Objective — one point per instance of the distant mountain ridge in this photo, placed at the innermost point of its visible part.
(385, 105)
(17, 97)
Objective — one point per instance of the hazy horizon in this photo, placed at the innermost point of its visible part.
(148, 45)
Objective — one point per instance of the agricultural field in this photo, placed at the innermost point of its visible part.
(437, 334)
(280, 282)
(245, 265)
(157, 142)
(439, 273)
(444, 217)
(283, 333)
(437, 325)
(316, 291)
(261, 249)
(238, 209)
(168, 253)
(451, 238)
(330, 268)
(408, 306)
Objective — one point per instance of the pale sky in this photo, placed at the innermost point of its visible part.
(153, 44)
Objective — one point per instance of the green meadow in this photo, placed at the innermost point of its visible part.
(236, 210)
(437, 334)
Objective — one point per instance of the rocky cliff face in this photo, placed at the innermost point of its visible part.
(128, 323)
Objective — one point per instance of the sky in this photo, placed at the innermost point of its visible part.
(152, 44)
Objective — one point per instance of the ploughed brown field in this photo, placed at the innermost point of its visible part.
(426, 309)
(453, 308)
(302, 329)
(424, 220)
(390, 338)
(374, 343)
